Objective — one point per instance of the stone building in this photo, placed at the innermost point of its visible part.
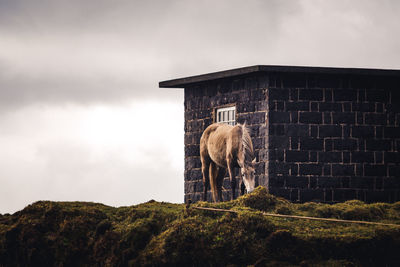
(319, 134)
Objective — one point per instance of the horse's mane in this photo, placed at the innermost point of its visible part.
(247, 145)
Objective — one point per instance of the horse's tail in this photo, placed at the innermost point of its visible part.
(213, 180)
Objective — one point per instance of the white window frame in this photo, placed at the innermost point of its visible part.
(226, 115)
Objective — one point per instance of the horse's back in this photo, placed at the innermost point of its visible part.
(216, 140)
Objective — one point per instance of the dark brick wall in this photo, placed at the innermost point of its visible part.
(334, 138)
(317, 136)
(200, 104)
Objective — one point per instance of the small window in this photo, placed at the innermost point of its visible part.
(226, 115)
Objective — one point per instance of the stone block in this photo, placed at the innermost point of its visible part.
(294, 117)
(193, 175)
(313, 156)
(294, 143)
(307, 195)
(344, 95)
(298, 106)
(278, 94)
(346, 107)
(343, 170)
(329, 107)
(375, 170)
(279, 117)
(276, 181)
(378, 95)
(280, 142)
(343, 117)
(314, 106)
(294, 169)
(328, 182)
(281, 192)
(378, 132)
(257, 118)
(276, 154)
(362, 131)
(359, 118)
(327, 169)
(392, 157)
(192, 150)
(311, 94)
(328, 96)
(258, 142)
(294, 94)
(257, 95)
(278, 168)
(329, 131)
(296, 182)
(377, 196)
(391, 183)
(330, 157)
(260, 167)
(328, 144)
(346, 157)
(297, 156)
(378, 145)
(280, 105)
(192, 163)
(310, 169)
(363, 107)
(378, 157)
(313, 130)
(375, 119)
(277, 129)
(310, 117)
(327, 116)
(311, 144)
(391, 132)
(297, 130)
(362, 157)
(394, 171)
(362, 182)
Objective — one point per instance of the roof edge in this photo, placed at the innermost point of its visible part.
(182, 82)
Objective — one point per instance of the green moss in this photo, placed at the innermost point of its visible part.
(163, 234)
(259, 199)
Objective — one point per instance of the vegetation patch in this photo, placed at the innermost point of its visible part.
(164, 234)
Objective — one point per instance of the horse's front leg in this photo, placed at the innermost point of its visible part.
(232, 178)
(242, 187)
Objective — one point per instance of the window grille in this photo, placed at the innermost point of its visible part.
(226, 115)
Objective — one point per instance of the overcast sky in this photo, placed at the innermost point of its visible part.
(81, 114)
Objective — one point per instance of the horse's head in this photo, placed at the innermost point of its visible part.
(247, 170)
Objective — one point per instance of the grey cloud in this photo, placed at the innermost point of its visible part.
(110, 51)
(71, 171)
(20, 90)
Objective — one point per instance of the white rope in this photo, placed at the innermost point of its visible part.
(303, 217)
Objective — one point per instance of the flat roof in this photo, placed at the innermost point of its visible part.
(183, 82)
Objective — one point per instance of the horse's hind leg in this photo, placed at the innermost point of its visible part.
(220, 180)
(206, 179)
(214, 181)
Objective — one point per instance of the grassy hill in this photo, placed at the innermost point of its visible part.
(163, 234)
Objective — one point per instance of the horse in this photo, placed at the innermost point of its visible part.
(222, 147)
